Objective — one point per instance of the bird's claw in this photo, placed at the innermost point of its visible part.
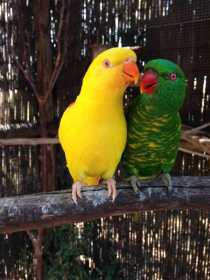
(112, 190)
(76, 191)
(166, 179)
(135, 183)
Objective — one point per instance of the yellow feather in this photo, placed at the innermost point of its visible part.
(93, 131)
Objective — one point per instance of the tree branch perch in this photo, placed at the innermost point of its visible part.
(39, 211)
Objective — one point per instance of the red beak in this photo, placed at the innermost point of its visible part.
(149, 82)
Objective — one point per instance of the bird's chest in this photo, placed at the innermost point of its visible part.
(157, 136)
(100, 133)
(104, 136)
(101, 146)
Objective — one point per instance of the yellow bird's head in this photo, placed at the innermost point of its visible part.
(111, 72)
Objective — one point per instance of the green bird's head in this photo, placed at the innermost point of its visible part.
(163, 86)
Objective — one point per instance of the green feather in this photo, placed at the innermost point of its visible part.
(154, 123)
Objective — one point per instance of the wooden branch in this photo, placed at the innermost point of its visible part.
(26, 130)
(191, 152)
(38, 211)
(196, 141)
(59, 62)
(185, 147)
(134, 48)
(37, 242)
(52, 141)
(204, 140)
(198, 145)
(28, 141)
(22, 52)
(197, 129)
(29, 79)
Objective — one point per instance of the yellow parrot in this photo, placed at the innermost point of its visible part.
(92, 130)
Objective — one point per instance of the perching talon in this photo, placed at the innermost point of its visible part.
(76, 191)
(135, 183)
(112, 190)
(166, 179)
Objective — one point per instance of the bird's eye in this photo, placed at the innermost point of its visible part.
(129, 59)
(172, 76)
(107, 63)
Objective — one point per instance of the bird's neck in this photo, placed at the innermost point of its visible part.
(154, 112)
(102, 96)
(99, 108)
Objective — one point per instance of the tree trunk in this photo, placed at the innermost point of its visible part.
(37, 242)
(44, 71)
(47, 156)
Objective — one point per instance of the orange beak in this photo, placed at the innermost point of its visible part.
(131, 73)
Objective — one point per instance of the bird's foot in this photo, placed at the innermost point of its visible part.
(112, 190)
(166, 179)
(135, 183)
(76, 191)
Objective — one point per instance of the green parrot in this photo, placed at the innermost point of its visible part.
(154, 124)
